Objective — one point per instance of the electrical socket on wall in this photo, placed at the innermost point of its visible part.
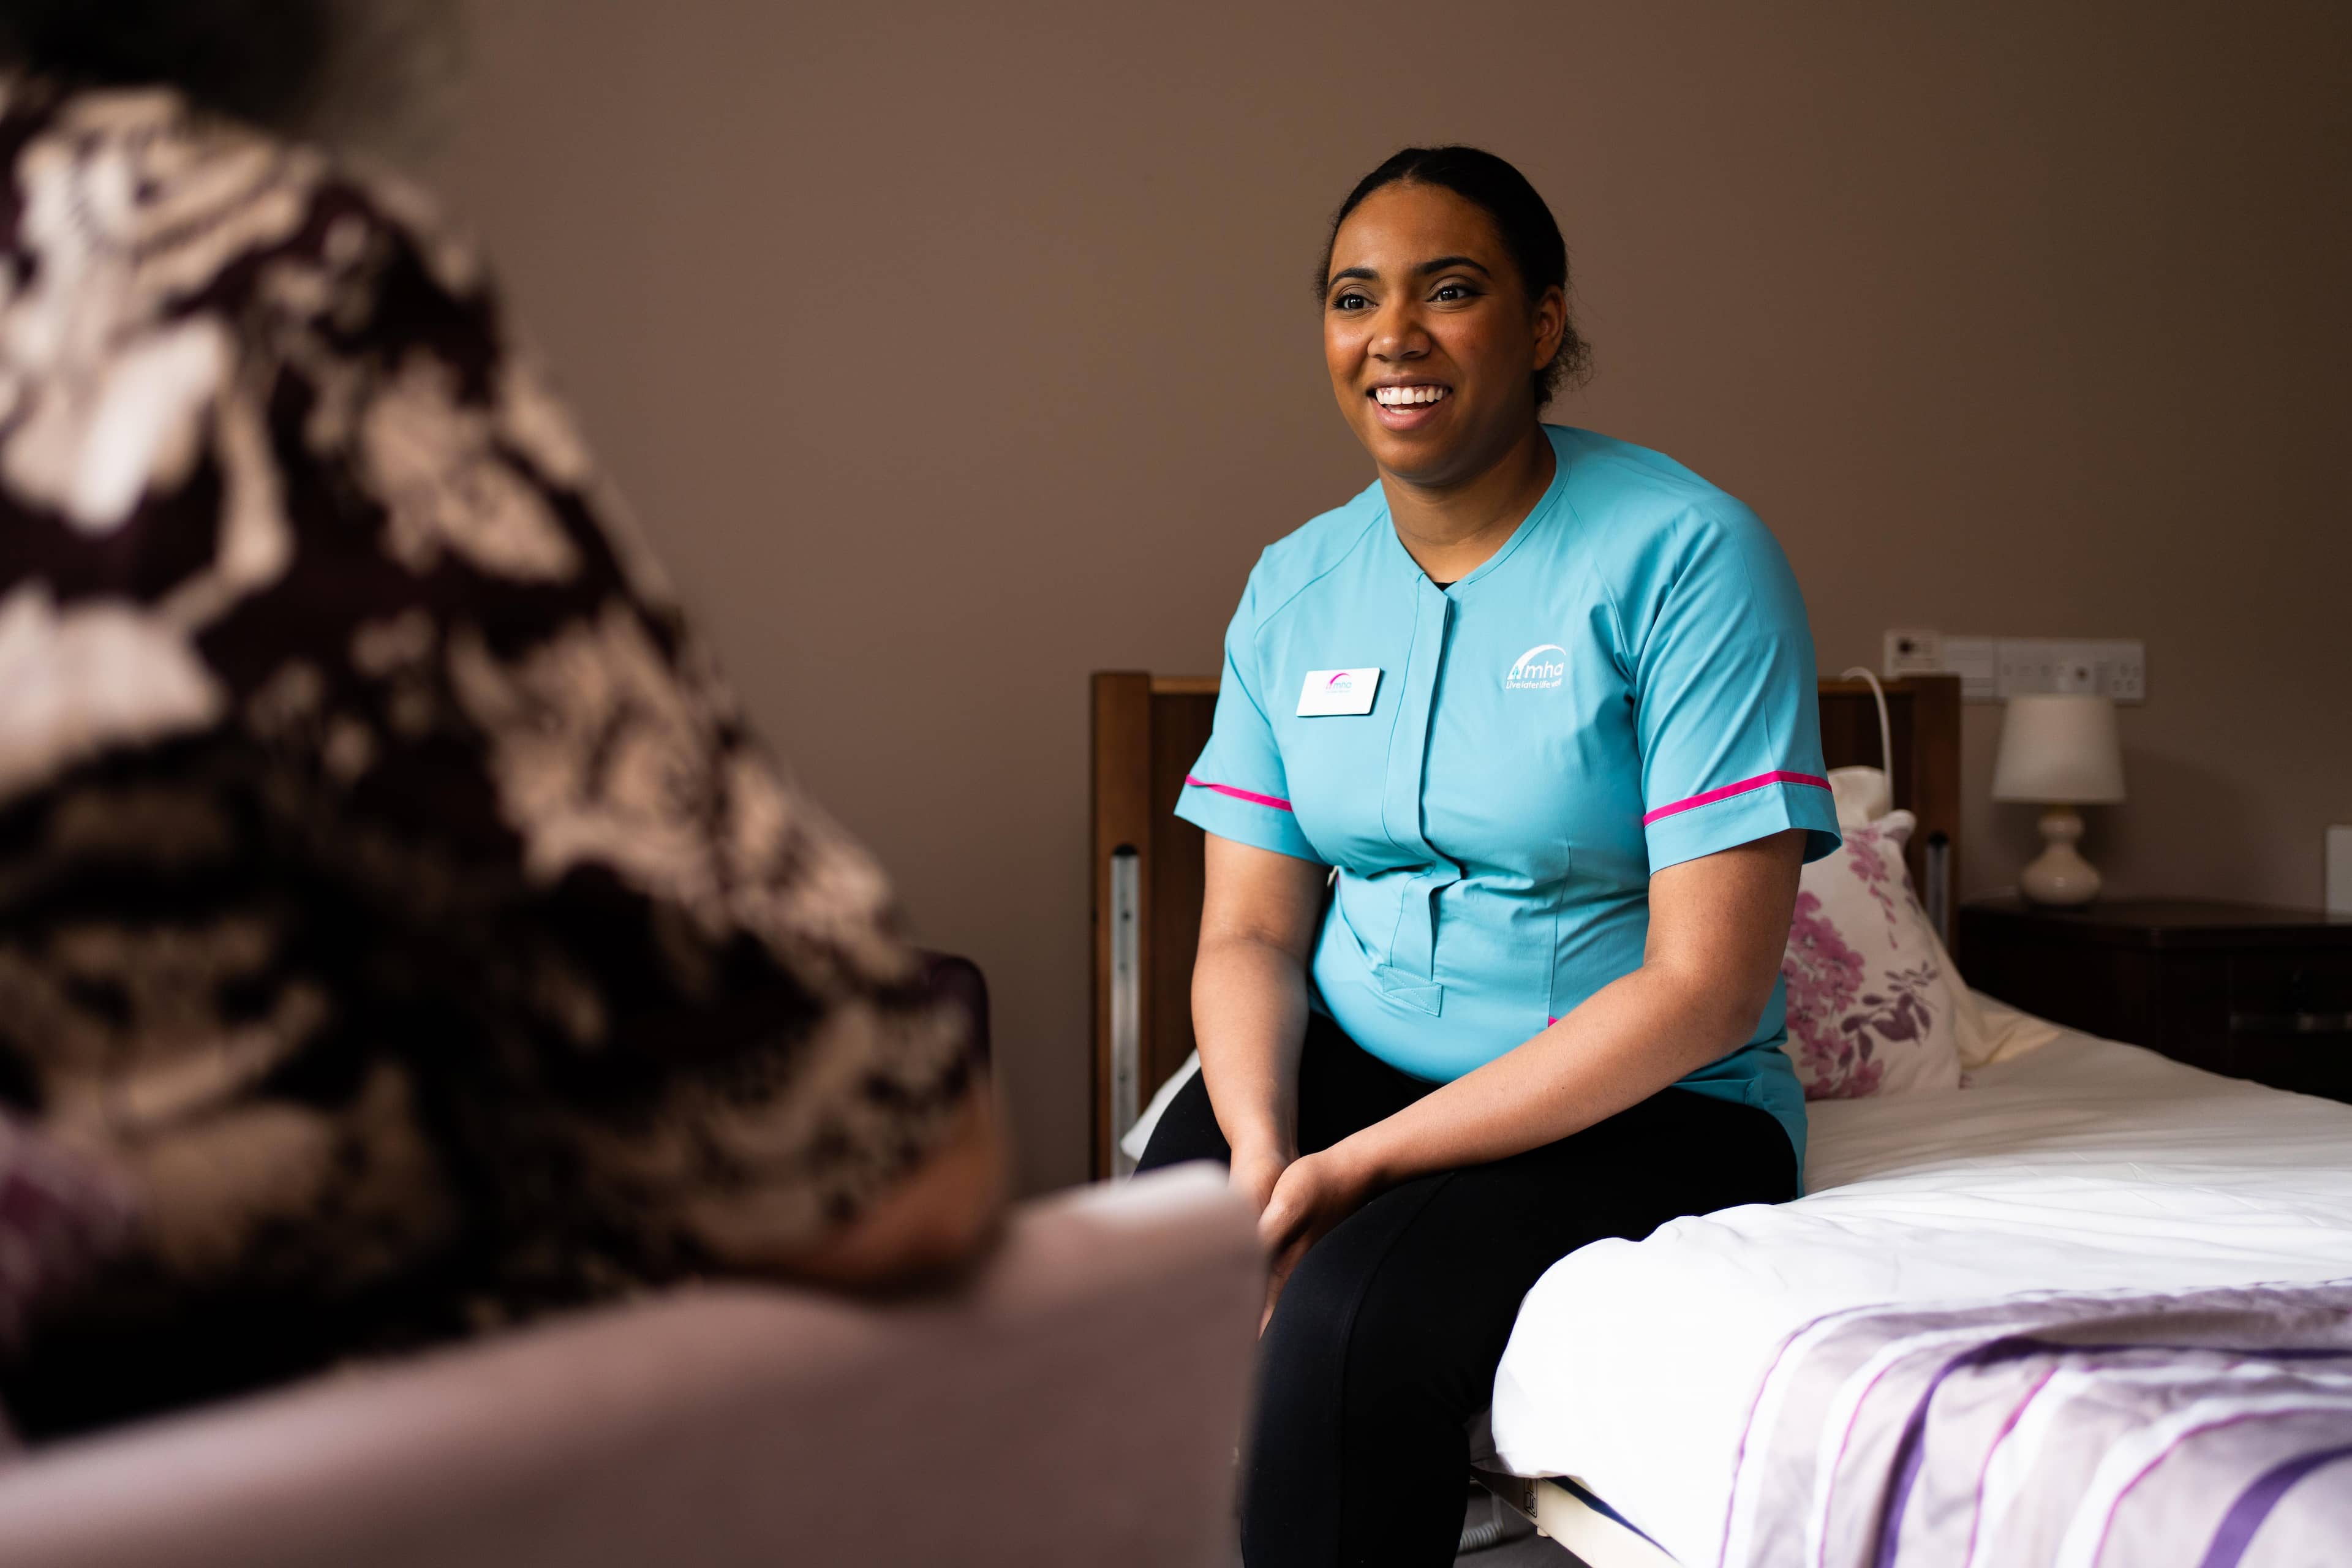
(1912, 653)
(1993, 668)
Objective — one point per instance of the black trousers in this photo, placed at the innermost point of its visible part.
(1385, 1342)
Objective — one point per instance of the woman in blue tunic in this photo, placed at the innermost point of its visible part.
(1515, 759)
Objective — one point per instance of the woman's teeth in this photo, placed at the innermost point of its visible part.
(1402, 397)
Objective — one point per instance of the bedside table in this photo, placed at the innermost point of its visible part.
(2240, 989)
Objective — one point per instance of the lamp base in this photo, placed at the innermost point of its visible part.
(2060, 875)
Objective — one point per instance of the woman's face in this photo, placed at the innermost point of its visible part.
(1430, 336)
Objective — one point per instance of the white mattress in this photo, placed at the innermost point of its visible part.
(2084, 1165)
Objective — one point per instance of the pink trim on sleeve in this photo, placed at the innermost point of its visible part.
(1727, 791)
(1249, 796)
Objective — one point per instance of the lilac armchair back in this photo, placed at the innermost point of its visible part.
(1076, 1401)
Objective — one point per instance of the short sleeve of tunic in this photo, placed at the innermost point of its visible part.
(1237, 789)
(1727, 712)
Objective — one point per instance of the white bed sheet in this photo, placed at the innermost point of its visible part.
(2084, 1165)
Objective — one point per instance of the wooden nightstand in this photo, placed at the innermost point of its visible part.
(2255, 993)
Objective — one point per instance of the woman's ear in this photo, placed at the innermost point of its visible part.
(1550, 322)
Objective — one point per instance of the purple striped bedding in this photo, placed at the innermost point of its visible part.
(2109, 1430)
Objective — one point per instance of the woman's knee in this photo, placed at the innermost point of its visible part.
(1337, 1297)
(1359, 1321)
(1319, 1301)
(1303, 1360)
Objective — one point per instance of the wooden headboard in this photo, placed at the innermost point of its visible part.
(1149, 729)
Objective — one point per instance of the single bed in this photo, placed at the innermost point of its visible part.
(2081, 1165)
(2072, 1164)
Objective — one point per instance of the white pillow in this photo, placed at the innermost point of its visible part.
(2008, 1034)
(1861, 796)
(1875, 1005)
(1138, 1137)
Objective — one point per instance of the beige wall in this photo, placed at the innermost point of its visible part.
(952, 351)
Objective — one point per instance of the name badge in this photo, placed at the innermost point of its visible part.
(1334, 691)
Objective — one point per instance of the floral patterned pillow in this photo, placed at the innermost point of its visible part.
(1875, 1005)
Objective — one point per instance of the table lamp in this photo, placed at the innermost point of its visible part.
(2059, 749)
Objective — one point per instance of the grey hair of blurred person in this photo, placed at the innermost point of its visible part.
(374, 73)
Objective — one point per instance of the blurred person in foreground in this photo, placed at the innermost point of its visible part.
(392, 903)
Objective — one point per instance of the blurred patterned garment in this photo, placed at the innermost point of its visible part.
(388, 887)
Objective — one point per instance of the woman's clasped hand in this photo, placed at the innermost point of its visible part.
(1313, 1193)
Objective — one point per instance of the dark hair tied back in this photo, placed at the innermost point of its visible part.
(260, 60)
(1529, 231)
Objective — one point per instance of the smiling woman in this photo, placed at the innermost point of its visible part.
(1566, 800)
(1445, 330)
(1522, 223)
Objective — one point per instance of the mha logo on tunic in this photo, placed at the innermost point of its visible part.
(1534, 672)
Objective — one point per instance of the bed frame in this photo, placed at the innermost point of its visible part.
(1147, 875)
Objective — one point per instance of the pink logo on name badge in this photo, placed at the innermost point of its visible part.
(1330, 693)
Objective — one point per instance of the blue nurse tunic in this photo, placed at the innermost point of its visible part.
(1497, 768)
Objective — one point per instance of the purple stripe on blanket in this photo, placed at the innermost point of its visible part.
(1875, 1432)
(1911, 1448)
(1984, 1470)
(2254, 1505)
(1747, 1427)
(2242, 1418)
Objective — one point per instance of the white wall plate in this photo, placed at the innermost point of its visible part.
(1994, 668)
(1912, 651)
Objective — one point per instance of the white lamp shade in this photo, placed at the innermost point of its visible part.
(2060, 749)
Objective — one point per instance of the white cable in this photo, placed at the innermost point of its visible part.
(1886, 732)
